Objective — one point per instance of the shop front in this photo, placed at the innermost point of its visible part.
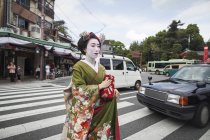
(29, 53)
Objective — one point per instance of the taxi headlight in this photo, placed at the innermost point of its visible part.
(142, 90)
(172, 98)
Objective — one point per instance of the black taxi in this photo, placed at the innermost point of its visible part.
(185, 95)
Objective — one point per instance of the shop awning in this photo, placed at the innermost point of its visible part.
(5, 40)
(58, 48)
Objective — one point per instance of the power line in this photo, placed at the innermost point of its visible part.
(68, 18)
(85, 7)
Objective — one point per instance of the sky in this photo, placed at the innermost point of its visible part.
(131, 20)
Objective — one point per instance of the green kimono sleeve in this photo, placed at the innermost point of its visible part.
(87, 89)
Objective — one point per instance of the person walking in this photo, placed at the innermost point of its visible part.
(47, 70)
(37, 72)
(19, 71)
(89, 115)
(11, 67)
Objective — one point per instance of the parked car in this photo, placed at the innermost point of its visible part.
(123, 69)
(171, 69)
(185, 96)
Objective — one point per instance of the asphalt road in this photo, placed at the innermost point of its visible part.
(36, 111)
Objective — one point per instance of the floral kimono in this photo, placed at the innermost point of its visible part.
(89, 117)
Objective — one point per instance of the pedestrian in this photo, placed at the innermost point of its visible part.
(47, 70)
(19, 71)
(63, 70)
(70, 70)
(37, 72)
(89, 115)
(11, 67)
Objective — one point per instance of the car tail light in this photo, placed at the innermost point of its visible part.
(183, 101)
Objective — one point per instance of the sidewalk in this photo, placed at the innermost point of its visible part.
(30, 80)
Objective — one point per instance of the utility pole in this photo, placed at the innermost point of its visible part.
(42, 54)
(42, 18)
(189, 42)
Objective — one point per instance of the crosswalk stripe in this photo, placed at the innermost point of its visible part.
(6, 108)
(29, 86)
(134, 115)
(31, 91)
(123, 104)
(121, 99)
(123, 119)
(132, 92)
(157, 131)
(26, 89)
(31, 112)
(55, 137)
(32, 94)
(206, 136)
(47, 110)
(32, 126)
(31, 99)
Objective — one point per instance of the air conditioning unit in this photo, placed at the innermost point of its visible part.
(24, 33)
(35, 31)
(16, 31)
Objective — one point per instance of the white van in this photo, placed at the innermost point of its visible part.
(122, 68)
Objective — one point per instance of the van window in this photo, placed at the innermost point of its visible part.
(105, 63)
(130, 66)
(175, 66)
(117, 64)
(167, 67)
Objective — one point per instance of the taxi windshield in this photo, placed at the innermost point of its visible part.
(195, 73)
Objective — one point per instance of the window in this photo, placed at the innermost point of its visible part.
(175, 67)
(117, 64)
(22, 23)
(105, 63)
(130, 66)
(24, 3)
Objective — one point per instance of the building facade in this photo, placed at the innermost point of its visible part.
(26, 25)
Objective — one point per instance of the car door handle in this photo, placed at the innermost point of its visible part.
(123, 73)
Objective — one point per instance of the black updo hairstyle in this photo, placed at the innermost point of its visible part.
(83, 41)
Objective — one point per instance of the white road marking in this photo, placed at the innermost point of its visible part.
(157, 131)
(55, 137)
(27, 92)
(121, 99)
(134, 115)
(33, 94)
(5, 108)
(32, 126)
(31, 99)
(206, 136)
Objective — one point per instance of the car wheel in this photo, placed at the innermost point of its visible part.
(157, 72)
(201, 117)
(167, 74)
(137, 85)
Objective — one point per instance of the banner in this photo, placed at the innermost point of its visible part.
(135, 54)
(205, 53)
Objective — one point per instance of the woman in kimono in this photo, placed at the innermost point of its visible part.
(90, 116)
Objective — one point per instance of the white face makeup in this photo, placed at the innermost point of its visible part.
(93, 48)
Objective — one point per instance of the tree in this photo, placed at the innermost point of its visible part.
(195, 39)
(63, 29)
(118, 47)
(192, 55)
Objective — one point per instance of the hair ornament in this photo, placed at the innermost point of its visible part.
(85, 36)
(102, 38)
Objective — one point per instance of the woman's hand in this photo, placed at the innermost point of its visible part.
(105, 84)
(116, 92)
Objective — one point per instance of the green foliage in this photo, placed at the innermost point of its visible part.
(168, 44)
(192, 55)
